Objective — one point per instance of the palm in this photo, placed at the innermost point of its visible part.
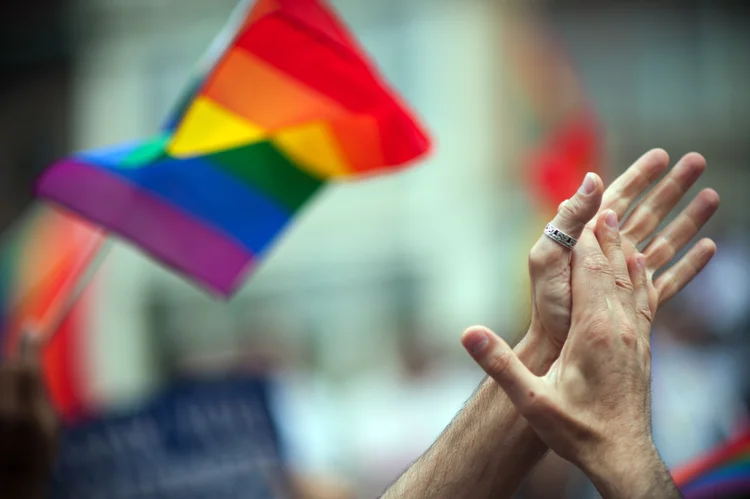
(552, 289)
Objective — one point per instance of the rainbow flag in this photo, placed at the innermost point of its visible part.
(41, 265)
(724, 473)
(289, 103)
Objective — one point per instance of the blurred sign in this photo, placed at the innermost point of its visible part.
(200, 439)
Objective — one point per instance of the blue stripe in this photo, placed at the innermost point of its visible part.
(207, 193)
(111, 155)
(726, 473)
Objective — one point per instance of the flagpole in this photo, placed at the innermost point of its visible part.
(46, 328)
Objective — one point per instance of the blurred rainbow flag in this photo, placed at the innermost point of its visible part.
(723, 473)
(43, 261)
(286, 102)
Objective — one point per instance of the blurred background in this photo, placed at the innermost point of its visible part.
(353, 320)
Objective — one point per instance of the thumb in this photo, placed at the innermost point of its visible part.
(572, 216)
(576, 212)
(502, 364)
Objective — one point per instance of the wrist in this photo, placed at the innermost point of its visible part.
(633, 470)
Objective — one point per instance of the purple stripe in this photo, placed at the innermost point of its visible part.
(172, 236)
(731, 488)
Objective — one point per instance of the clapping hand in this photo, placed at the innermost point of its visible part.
(593, 406)
(549, 262)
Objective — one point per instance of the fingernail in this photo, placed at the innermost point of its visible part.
(476, 342)
(588, 185)
(611, 219)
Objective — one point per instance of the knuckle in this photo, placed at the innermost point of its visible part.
(660, 249)
(614, 241)
(599, 327)
(596, 264)
(629, 338)
(667, 289)
(499, 364)
(645, 313)
(600, 321)
(571, 210)
(624, 283)
(599, 339)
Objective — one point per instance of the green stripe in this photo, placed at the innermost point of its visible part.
(263, 168)
(147, 153)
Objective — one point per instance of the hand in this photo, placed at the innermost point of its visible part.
(593, 406)
(28, 427)
(549, 263)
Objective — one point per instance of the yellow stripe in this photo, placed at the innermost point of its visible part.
(314, 148)
(208, 128)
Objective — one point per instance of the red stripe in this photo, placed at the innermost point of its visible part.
(317, 15)
(341, 73)
(316, 61)
(688, 473)
(62, 364)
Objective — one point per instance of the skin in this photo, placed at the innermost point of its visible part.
(490, 447)
(593, 406)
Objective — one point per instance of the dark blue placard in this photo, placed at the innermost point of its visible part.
(197, 440)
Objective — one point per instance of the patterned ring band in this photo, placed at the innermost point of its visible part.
(559, 236)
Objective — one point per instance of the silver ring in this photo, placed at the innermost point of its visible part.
(560, 237)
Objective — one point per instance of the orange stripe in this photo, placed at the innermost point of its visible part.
(265, 96)
(359, 140)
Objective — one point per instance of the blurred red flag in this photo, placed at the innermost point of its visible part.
(570, 142)
(557, 167)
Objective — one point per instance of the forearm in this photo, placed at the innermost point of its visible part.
(486, 451)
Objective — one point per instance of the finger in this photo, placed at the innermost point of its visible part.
(576, 212)
(681, 230)
(639, 278)
(608, 234)
(657, 204)
(634, 182)
(547, 255)
(592, 277)
(500, 362)
(681, 273)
